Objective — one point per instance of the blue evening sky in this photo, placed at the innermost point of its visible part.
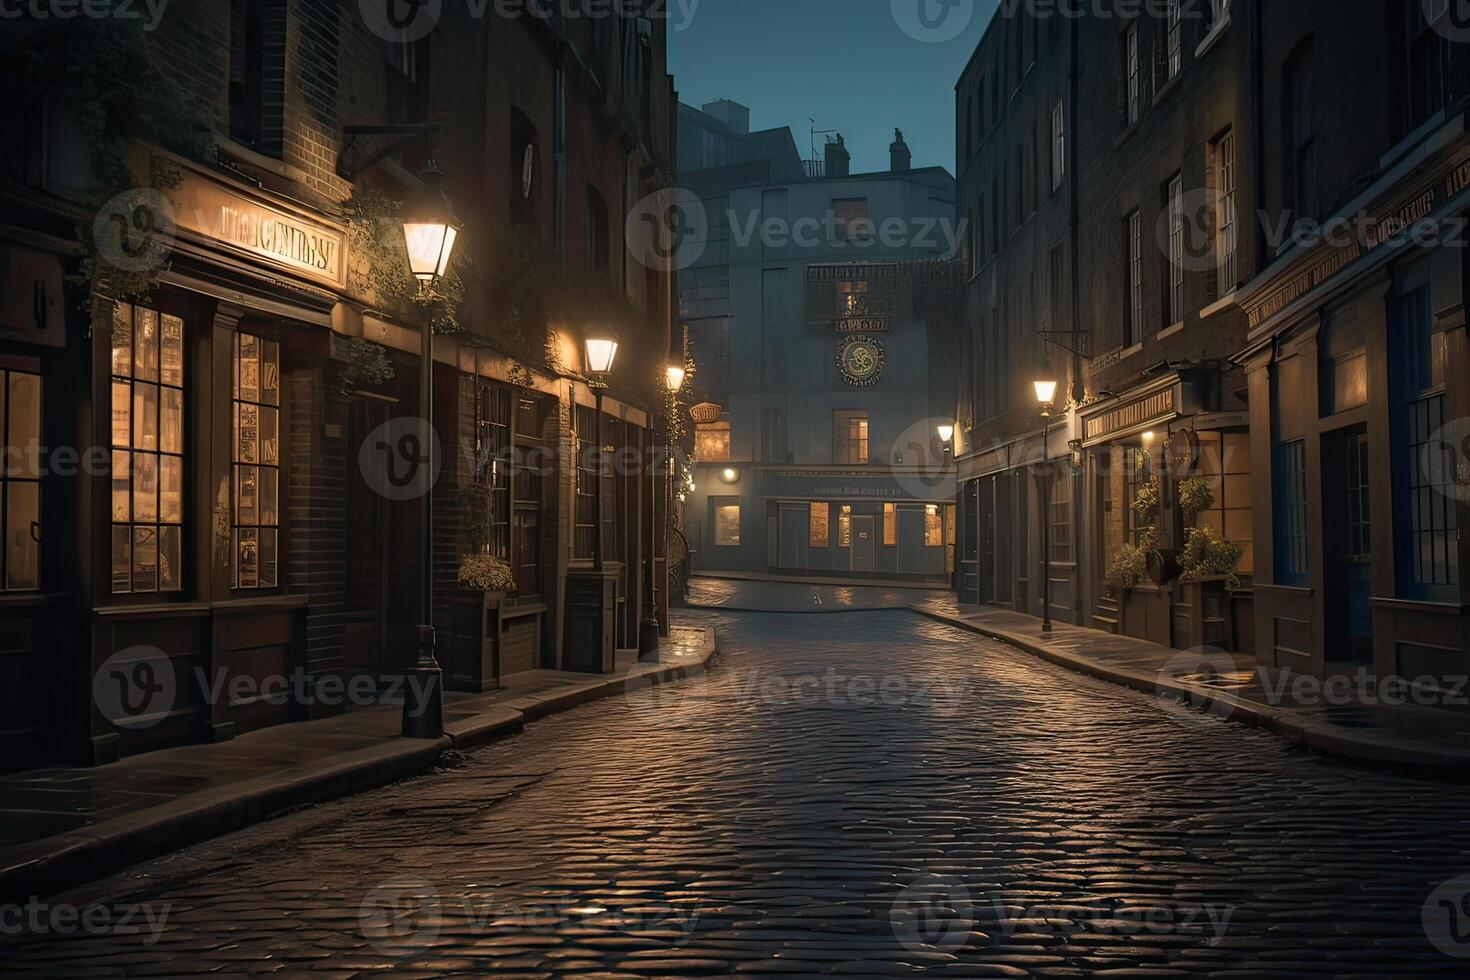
(847, 64)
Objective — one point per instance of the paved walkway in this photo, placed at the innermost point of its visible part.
(1363, 723)
(796, 596)
(873, 795)
(62, 825)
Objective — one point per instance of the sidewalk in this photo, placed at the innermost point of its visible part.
(1404, 738)
(60, 827)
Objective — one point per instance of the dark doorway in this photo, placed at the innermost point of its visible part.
(1347, 525)
(365, 617)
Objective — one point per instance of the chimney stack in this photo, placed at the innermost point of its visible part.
(898, 153)
(839, 161)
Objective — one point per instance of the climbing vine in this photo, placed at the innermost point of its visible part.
(381, 267)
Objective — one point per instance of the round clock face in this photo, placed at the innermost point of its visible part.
(860, 361)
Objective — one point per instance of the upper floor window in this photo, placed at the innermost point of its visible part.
(20, 480)
(712, 442)
(257, 461)
(1227, 228)
(1132, 74)
(1300, 178)
(1174, 201)
(524, 168)
(851, 217)
(1133, 232)
(850, 438)
(257, 31)
(598, 252)
(147, 450)
(1428, 58)
(1058, 144)
(1173, 41)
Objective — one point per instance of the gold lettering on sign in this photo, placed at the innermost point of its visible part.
(260, 231)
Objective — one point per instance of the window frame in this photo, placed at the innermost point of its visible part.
(1174, 202)
(1134, 235)
(27, 473)
(264, 340)
(849, 449)
(717, 505)
(824, 540)
(1058, 144)
(1227, 217)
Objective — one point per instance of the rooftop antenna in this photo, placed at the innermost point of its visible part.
(815, 132)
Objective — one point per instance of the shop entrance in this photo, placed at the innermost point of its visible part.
(1348, 538)
(864, 545)
(365, 613)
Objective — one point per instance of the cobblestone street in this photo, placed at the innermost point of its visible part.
(870, 795)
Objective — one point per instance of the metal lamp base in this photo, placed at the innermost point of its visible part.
(423, 703)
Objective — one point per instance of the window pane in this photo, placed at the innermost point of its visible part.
(270, 372)
(122, 557)
(172, 357)
(267, 559)
(122, 340)
(170, 554)
(122, 413)
(171, 490)
(247, 495)
(247, 558)
(122, 485)
(269, 507)
(145, 487)
(247, 438)
(145, 346)
(819, 527)
(145, 414)
(727, 525)
(270, 447)
(171, 423)
(22, 528)
(249, 368)
(145, 559)
(24, 420)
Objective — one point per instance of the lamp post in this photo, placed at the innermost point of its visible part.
(1046, 395)
(601, 350)
(429, 232)
(652, 627)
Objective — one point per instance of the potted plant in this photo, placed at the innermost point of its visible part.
(1208, 569)
(486, 581)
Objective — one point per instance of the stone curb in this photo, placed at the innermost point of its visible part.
(1337, 741)
(56, 864)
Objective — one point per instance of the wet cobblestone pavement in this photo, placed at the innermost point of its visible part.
(872, 796)
(812, 597)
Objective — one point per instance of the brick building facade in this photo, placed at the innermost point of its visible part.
(205, 280)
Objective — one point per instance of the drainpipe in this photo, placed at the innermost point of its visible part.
(559, 151)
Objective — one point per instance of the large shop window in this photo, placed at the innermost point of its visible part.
(1138, 474)
(20, 480)
(1425, 465)
(585, 517)
(532, 467)
(890, 525)
(1225, 460)
(257, 462)
(147, 451)
(933, 527)
(727, 522)
(492, 476)
(1061, 516)
(1291, 513)
(820, 529)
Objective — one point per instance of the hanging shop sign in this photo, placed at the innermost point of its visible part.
(860, 361)
(288, 241)
(706, 412)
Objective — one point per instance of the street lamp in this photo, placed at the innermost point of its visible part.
(674, 376)
(430, 229)
(1046, 396)
(601, 351)
(946, 435)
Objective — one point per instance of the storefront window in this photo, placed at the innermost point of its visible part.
(1291, 512)
(147, 450)
(492, 476)
(257, 461)
(528, 490)
(1061, 518)
(1225, 460)
(727, 524)
(933, 527)
(20, 479)
(586, 502)
(890, 525)
(844, 527)
(1138, 479)
(820, 532)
